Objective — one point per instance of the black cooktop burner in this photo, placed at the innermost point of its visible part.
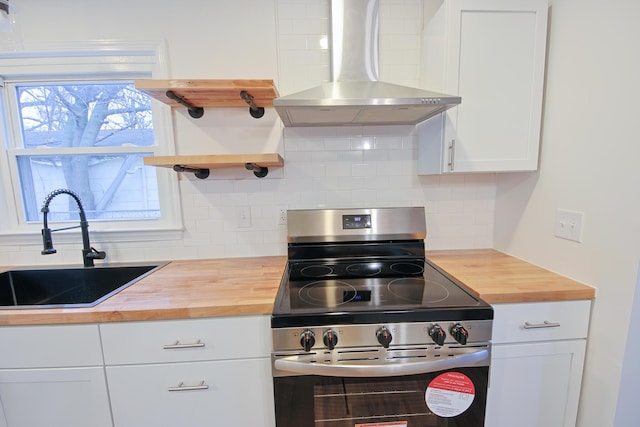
(301, 270)
(372, 291)
(404, 290)
(329, 293)
(407, 288)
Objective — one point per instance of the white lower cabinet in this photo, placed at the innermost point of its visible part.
(536, 364)
(217, 371)
(192, 372)
(52, 376)
(63, 397)
(535, 385)
(220, 393)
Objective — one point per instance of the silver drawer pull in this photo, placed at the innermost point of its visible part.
(177, 344)
(182, 387)
(545, 324)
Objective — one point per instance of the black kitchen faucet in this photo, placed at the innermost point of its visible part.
(88, 252)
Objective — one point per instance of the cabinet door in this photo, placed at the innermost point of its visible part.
(222, 393)
(495, 60)
(497, 56)
(66, 397)
(535, 385)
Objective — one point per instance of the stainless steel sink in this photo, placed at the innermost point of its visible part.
(60, 287)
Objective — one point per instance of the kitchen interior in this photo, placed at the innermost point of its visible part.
(586, 164)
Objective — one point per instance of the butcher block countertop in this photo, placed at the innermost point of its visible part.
(499, 278)
(245, 286)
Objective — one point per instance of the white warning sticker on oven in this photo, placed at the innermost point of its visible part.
(450, 394)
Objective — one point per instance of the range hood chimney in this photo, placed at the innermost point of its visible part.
(355, 96)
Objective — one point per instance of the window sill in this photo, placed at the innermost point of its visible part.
(97, 236)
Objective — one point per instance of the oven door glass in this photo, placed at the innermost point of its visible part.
(453, 398)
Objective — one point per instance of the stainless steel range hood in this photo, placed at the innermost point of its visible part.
(355, 96)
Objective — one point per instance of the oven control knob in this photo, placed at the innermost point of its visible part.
(307, 340)
(459, 333)
(437, 334)
(384, 337)
(330, 339)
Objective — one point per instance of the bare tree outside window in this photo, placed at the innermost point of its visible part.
(90, 138)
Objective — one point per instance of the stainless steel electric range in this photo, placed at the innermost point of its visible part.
(368, 332)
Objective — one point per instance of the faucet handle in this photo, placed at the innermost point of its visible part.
(96, 254)
(47, 242)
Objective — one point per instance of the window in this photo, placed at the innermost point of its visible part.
(85, 128)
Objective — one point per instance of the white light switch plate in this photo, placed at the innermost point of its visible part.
(569, 224)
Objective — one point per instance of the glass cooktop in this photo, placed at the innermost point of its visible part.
(372, 291)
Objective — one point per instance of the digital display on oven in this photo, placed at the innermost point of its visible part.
(356, 296)
(354, 222)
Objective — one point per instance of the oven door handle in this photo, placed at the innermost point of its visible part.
(304, 365)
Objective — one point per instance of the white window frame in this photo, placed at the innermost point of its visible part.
(99, 60)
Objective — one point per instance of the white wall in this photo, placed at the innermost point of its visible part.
(589, 163)
(324, 167)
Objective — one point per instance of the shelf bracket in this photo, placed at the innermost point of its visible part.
(198, 172)
(195, 112)
(259, 171)
(255, 111)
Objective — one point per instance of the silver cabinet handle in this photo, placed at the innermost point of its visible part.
(182, 387)
(545, 324)
(302, 365)
(452, 154)
(177, 344)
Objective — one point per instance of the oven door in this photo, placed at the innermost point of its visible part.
(367, 387)
(451, 398)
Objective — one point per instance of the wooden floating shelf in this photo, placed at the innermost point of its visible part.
(199, 94)
(201, 165)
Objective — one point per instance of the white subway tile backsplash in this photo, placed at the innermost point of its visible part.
(351, 156)
(362, 143)
(363, 169)
(401, 155)
(376, 155)
(301, 144)
(292, 42)
(388, 143)
(324, 156)
(339, 144)
(299, 156)
(338, 170)
(291, 10)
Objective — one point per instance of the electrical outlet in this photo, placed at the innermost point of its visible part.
(282, 216)
(569, 224)
(244, 217)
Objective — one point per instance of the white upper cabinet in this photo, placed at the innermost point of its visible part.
(492, 54)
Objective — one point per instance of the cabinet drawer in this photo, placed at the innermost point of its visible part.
(540, 321)
(186, 340)
(52, 346)
(222, 393)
